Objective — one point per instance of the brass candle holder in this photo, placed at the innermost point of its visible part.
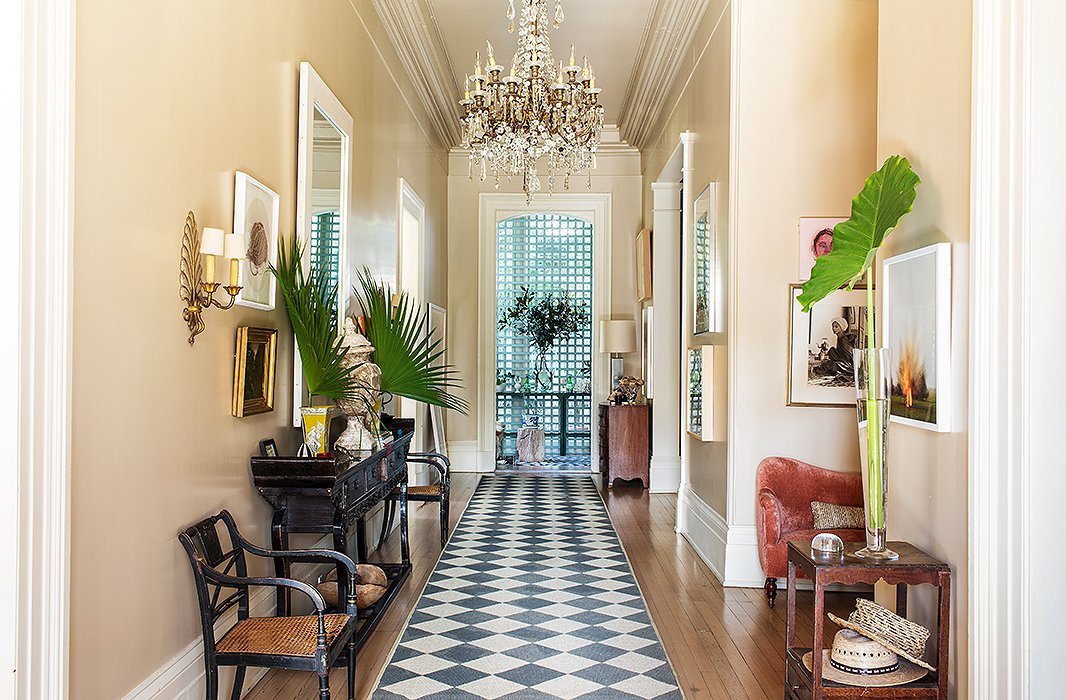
(197, 293)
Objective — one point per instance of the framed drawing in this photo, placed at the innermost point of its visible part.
(916, 327)
(820, 366)
(706, 272)
(643, 258)
(815, 240)
(255, 216)
(254, 364)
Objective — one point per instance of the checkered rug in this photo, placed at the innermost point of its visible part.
(532, 599)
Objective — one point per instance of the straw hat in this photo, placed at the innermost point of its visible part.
(894, 632)
(858, 660)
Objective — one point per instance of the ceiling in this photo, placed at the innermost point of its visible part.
(610, 39)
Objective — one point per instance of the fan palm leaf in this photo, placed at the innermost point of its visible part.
(408, 358)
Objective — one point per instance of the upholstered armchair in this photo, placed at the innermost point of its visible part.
(785, 489)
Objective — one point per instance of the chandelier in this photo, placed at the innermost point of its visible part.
(510, 121)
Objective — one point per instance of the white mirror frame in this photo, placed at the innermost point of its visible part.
(315, 93)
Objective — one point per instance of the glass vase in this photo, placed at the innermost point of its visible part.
(873, 389)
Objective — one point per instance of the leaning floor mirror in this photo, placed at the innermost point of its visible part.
(322, 195)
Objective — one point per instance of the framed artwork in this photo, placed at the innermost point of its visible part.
(916, 327)
(706, 265)
(254, 365)
(643, 258)
(815, 240)
(255, 216)
(268, 448)
(701, 400)
(437, 329)
(821, 371)
(647, 346)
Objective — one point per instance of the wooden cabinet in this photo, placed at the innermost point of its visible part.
(625, 443)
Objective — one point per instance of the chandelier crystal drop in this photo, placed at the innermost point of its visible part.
(536, 110)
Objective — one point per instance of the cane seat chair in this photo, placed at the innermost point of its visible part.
(306, 642)
(433, 493)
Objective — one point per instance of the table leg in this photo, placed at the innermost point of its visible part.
(790, 608)
(405, 547)
(280, 540)
(942, 624)
(901, 599)
(819, 622)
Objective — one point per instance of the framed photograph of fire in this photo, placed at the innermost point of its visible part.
(916, 328)
(820, 366)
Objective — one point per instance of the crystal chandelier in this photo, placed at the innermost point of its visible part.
(538, 110)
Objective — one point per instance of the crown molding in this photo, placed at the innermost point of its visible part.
(668, 35)
(415, 35)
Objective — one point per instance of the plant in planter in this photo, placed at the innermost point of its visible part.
(887, 196)
(545, 319)
(309, 302)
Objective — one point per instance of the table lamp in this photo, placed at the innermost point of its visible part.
(617, 338)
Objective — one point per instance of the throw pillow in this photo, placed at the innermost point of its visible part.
(831, 516)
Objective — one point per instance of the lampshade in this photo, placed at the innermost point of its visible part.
(235, 248)
(211, 242)
(618, 336)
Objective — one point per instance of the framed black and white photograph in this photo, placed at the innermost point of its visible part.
(706, 273)
(916, 328)
(255, 216)
(815, 240)
(820, 365)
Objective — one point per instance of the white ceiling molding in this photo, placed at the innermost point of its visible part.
(669, 33)
(421, 50)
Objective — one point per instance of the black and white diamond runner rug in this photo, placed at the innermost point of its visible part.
(532, 599)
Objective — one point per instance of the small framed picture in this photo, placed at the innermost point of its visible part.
(643, 257)
(821, 371)
(916, 327)
(268, 448)
(254, 365)
(255, 216)
(815, 240)
(702, 421)
(707, 280)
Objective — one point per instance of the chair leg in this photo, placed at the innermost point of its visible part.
(351, 669)
(238, 683)
(212, 681)
(323, 685)
(386, 521)
(771, 590)
(443, 523)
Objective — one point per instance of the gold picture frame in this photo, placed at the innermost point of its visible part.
(254, 366)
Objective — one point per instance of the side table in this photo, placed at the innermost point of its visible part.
(914, 567)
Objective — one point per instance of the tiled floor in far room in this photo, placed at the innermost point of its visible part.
(722, 642)
(569, 463)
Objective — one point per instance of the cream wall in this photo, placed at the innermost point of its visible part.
(618, 173)
(924, 114)
(171, 98)
(701, 104)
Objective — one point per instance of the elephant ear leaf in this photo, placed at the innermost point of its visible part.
(887, 197)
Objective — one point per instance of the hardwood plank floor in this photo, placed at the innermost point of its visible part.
(722, 642)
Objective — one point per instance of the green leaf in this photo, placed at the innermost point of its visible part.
(406, 356)
(887, 197)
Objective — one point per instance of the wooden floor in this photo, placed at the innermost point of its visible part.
(722, 642)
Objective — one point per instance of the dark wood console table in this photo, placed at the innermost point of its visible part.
(625, 442)
(914, 567)
(330, 496)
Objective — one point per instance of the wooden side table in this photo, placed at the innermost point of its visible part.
(914, 567)
(625, 443)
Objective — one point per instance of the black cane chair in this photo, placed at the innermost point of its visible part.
(434, 493)
(308, 642)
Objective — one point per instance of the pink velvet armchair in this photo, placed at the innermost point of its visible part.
(785, 489)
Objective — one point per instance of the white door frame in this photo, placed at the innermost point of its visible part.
(493, 208)
(43, 189)
(409, 202)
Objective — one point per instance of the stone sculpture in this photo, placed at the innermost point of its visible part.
(361, 411)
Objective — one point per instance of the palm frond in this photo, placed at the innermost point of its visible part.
(402, 349)
(309, 299)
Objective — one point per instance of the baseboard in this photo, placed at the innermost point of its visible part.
(467, 457)
(704, 529)
(665, 475)
(184, 677)
(742, 567)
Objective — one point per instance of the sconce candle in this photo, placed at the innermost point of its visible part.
(234, 250)
(198, 283)
(211, 244)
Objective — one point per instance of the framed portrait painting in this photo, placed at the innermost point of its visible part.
(916, 328)
(254, 366)
(820, 366)
(815, 240)
(706, 272)
(255, 216)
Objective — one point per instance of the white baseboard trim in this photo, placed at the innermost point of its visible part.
(742, 567)
(665, 475)
(704, 529)
(184, 677)
(468, 457)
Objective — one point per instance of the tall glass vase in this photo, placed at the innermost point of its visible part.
(873, 388)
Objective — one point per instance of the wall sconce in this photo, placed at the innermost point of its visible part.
(198, 282)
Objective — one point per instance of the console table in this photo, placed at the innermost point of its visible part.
(330, 496)
(625, 444)
(914, 567)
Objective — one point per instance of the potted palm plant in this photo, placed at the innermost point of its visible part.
(887, 196)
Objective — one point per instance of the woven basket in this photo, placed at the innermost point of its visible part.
(903, 633)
